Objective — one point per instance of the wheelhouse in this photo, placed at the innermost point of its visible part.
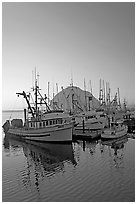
(45, 123)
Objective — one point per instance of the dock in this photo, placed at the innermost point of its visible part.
(87, 134)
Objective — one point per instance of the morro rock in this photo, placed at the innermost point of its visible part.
(73, 99)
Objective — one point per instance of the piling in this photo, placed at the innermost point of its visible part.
(83, 127)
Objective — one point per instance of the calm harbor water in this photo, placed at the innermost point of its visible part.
(81, 171)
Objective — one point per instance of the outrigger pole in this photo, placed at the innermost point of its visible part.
(29, 106)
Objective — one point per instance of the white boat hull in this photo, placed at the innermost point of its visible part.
(59, 133)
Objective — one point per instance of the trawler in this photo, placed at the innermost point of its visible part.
(40, 124)
(115, 130)
(89, 124)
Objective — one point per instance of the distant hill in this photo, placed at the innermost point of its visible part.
(73, 98)
(12, 110)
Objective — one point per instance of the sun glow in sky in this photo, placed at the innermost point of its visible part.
(85, 40)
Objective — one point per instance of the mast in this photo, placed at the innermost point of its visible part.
(119, 99)
(90, 87)
(85, 94)
(103, 92)
(53, 98)
(57, 93)
(90, 97)
(108, 93)
(44, 99)
(36, 95)
(35, 110)
(125, 106)
(48, 93)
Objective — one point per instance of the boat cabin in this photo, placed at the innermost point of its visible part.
(48, 120)
(44, 123)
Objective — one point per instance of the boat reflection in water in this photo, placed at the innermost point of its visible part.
(116, 143)
(89, 145)
(118, 146)
(42, 159)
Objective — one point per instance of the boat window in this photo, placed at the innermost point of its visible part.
(46, 123)
(89, 117)
(43, 124)
(40, 124)
(50, 122)
(102, 116)
(60, 121)
(54, 121)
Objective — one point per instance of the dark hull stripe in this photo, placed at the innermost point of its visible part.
(36, 135)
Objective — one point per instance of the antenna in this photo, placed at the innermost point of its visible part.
(100, 91)
(90, 87)
(38, 78)
(71, 79)
(35, 74)
(32, 80)
(119, 99)
(103, 92)
(108, 93)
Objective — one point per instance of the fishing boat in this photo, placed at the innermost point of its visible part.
(115, 130)
(89, 125)
(92, 119)
(40, 124)
(87, 134)
(129, 120)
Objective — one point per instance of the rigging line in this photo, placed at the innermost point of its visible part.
(32, 99)
(44, 101)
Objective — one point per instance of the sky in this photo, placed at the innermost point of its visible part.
(64, 41)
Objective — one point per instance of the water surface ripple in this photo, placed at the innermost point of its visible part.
(81, 171)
